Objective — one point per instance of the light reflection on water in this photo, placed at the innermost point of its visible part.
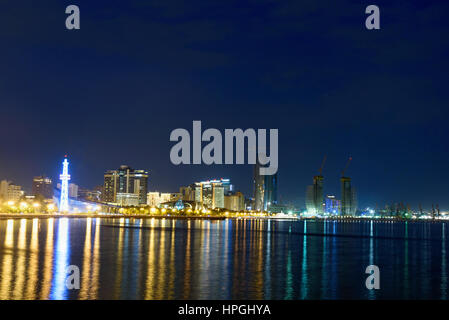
(227, 259)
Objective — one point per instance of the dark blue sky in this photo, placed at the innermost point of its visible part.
(111, 93)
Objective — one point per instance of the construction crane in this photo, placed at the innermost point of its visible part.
(346, 167)
(322, 165)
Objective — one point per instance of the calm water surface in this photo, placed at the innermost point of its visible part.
(227, 259)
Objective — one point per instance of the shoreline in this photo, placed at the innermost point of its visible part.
(6, 216)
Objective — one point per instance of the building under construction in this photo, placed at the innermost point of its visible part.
(315, 200)
(348, 195)
(314, 193)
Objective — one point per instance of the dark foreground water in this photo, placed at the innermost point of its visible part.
(227, 259)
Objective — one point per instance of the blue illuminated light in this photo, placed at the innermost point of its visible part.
(65, 177)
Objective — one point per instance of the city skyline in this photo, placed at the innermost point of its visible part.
(316, 196)
(224, 156)
(382, 103)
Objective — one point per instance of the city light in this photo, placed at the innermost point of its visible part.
(65, 177)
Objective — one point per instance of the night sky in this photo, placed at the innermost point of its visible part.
(111, 93)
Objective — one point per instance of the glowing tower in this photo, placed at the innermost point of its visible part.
(65, 177)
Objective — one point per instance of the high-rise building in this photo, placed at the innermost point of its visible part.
(249, 203)
(187, 193)
(73, 190)
(258, 181)
(228, 188)
(265, 190)
(42, 186)
(314, 196)
(4, 184)
(348, 197)
(234, 201)
(15, 192)
(270, 191)
(10, 191)
(125, 180)
(210, 193)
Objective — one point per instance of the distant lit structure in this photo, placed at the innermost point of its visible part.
(90, 195)
(42, 186)
(127, 199)
(314, 196)
(187, 193)
(228, 188)
(4, 189)
(125, 180)
(259, 188)
(73, 190)
(348, 197)
(333, 206)
(265, 190)
(234, 201)
(65, 177)
(155, 198)
(210, 194)
(10, 191)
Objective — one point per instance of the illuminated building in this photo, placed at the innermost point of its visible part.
(10, 191)
(265, 190)
(127, 199)
(228, 188)
(65, 177)
(270, 191)
(249, 203)
(125, 180)
(234, 201)
(187, 193)
(90, 195)
(210, 194)
(348, 197)
(4, 188)
(314, 196)
(155, 198)
(280, 208)
(73, 190)
(333, 206)
(42, 186)
(258, 189)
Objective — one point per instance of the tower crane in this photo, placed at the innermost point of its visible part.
(346, 167)
(322, 165)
